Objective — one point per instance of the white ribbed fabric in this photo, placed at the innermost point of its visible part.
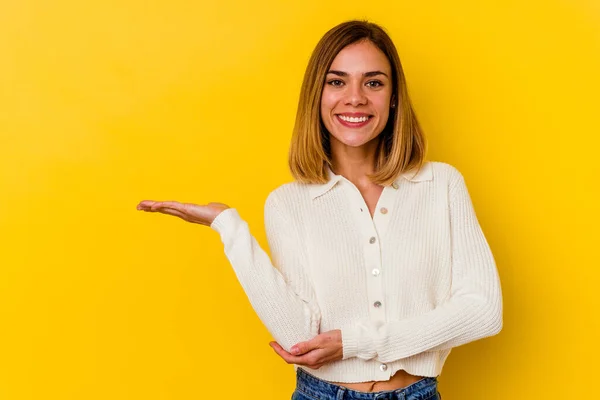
(404, 287)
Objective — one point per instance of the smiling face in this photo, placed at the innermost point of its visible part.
(355, 104)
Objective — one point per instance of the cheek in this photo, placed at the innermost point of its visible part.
(327, 103)
(323, 109)
(382, 106)
(385, 114)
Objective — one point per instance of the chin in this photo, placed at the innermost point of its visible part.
(353, 139)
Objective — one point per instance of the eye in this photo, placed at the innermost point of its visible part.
(335, 82)
(374, 84)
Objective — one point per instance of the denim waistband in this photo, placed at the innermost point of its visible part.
(312, 386)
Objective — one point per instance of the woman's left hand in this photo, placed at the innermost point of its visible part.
(314, 353)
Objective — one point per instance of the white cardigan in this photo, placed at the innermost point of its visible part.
(404, 286)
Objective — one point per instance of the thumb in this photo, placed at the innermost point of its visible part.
(302, 347)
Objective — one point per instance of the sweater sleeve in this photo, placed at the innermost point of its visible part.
(472, 311)
(279, 291)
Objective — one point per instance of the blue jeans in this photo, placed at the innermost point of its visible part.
(309, 387)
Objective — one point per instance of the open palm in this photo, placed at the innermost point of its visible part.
(198, 214)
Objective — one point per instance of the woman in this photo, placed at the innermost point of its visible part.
(379, 265)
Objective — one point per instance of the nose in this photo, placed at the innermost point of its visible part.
(355, 95)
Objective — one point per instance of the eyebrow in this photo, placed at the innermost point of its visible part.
(366, 74)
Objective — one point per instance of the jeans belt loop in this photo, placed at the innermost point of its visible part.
(340, 393)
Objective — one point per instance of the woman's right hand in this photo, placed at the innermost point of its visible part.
(198, 214)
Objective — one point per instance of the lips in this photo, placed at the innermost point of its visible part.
(354, 120)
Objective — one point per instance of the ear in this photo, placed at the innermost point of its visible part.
(393, 102)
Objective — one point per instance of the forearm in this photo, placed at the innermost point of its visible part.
(456, 322)
(288, 317)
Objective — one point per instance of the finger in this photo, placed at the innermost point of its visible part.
(304, 347)
(152, 205)
(277, 347)
(290, 359)
(171, 211)
(164, 207)
(167, 204)
(145, 204)
(200, 214)
(311, 360)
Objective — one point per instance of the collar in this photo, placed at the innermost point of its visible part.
(425, 174)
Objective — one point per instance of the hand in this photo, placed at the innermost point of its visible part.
(203, 215)
(314, 353)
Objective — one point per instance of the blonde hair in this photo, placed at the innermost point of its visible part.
(402, 145)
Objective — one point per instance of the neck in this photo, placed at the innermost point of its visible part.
(354, 163)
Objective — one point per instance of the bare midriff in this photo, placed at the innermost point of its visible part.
(401, 379)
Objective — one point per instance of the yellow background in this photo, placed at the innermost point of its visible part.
(105, 103)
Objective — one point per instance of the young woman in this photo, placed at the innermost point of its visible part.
(379, 266)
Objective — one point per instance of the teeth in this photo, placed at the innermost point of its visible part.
(353, 119)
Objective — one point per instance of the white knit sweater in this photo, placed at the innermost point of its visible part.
(404, 286)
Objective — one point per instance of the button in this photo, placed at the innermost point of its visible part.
(383, 210)
(383, 367)
(375, 272)
(395, 185)
(372, 240)
(377, 304)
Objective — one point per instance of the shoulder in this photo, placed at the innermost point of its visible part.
(445, 173)
(288, 196)
(443, 169)
(291, 191)
(453, 181)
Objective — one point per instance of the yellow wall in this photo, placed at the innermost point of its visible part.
(105, 103)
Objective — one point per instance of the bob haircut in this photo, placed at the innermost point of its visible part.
(402, 145)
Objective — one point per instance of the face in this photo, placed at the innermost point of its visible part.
(356, 97)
